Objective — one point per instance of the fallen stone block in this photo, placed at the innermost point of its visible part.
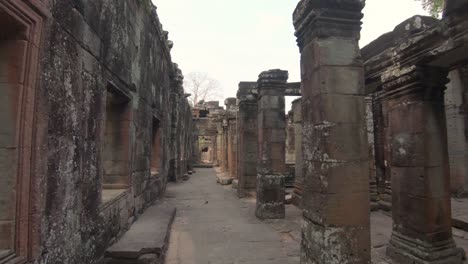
(223, 180)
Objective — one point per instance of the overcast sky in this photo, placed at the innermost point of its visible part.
(235, 40)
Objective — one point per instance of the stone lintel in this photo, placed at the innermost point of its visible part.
(293, 89)
(251, 88)
(327, 18)
(411, 80)
(418, 31)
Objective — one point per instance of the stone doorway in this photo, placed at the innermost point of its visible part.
(20, 29)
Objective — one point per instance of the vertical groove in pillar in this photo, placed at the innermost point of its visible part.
(271, 145)
(336, 226)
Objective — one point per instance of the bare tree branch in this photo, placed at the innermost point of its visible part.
(202, 87)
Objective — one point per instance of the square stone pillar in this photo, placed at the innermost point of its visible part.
(336, 227)
(219, 144)
(417, 135)
(232, 147)
(225, 167)
(248, 134)
(271, 145)
(381, 154)
(299, 179)
(455, 104)
(374, 195)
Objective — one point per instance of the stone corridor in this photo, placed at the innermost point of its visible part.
(99, 141)
(213, 226)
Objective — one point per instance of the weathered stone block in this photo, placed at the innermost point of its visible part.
(267, 102)
(331, 52)
(270, 196)
(329, 142)
(334, 245)
(336, 177)
(422, 182)
(407, 250)
(337, 209)
(323, 108)
(335, 81)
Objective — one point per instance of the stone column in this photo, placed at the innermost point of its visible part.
(231, 110)
(456, 128)
(214, 150)
(336, 226)
(247, 119)
(299, 179)
(290, 150)
(232, 154)
(374, 195)
(225, 146)
(176, 94)
(219, 144)
(422, 229)
(290, 139)
(271, 145)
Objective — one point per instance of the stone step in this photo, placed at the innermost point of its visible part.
(147, 239)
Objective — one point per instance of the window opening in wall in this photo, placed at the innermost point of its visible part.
(116, 153)
(13, 53)
(155, 147)
(204, 113)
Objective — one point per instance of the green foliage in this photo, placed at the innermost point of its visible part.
(434, 7)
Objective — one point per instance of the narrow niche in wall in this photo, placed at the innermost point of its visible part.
(156, 148)
(116, 151)
(13, 53)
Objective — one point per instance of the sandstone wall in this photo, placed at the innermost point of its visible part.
(87, 47)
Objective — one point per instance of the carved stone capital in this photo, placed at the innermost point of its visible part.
(272, 79)
(247, 92)
(327, 18)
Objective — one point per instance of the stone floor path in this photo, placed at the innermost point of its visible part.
(213, 226)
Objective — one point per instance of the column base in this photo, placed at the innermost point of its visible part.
(297, 195)
(329, 244)
(270, 211)
(405, 250)
(270, 196)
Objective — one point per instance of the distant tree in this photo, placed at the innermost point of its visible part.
(202, 87)
(434, 7)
